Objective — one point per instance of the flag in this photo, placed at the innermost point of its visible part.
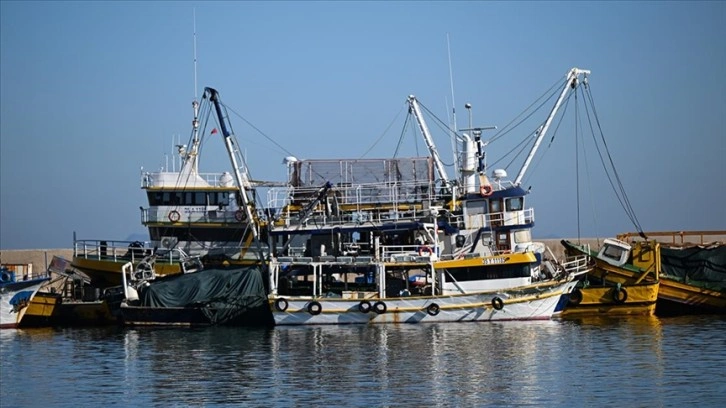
(214, 131)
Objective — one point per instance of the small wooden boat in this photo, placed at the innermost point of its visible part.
(693, 276)
(623, 281)
(68, 299)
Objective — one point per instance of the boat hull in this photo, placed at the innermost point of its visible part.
(191, 316)
(639, 299)
(14, 300)
(49, 309)
(535, 302)
(679, 298)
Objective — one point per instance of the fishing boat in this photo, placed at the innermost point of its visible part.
(68, 299)
(398, 241)
(189, 214)
(693, 277)
(230, 292)
(624, 280)
(228, 295)
(18, 287)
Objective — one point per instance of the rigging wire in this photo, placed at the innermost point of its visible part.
(403, 134)
(577, 167)
(587, 173)
(619, 190)
(258, 131)
(384, 132)
(551, 91)
(554, 133)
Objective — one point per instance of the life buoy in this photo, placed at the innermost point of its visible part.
(575, 297)
(380, 307)
(423, 250)
(314, 308)
(620, 295)
(174, 216)
(364, 306)
(433, 309)
(497, 303)
(486, 190)
(239, 215)
(281, 304)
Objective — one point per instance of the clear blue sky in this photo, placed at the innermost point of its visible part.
(93, 91)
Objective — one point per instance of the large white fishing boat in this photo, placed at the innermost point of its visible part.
(397, 240)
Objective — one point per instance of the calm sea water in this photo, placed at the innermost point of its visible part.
(621, 362)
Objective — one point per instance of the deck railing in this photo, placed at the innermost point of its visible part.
(118, 251)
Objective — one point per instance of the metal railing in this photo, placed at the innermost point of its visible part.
(118, 251)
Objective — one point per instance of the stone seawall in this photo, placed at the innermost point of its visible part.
(39, 258)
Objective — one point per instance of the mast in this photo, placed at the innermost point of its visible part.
(570, 83)
(454, 145)
(194, 148)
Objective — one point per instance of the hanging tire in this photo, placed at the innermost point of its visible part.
(575, 297)
(314, 308)
(364, 306)
(281, 304)
(433, 309)
(380, 307)
(497, 303)
(620, 295)
(5, 277)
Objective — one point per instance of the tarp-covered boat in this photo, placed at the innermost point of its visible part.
(215, 296)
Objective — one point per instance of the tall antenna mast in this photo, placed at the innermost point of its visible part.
(195, 52)
(194, 148)
(454, 145)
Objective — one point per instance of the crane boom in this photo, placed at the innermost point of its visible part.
(570, 83)
(413, 104)
(235, 156)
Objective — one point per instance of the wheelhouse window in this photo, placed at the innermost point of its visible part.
(613, 252)
(197, 198)
(522, 236)
(495, 205)
(476, 207)
(515, 204)
(484, 272)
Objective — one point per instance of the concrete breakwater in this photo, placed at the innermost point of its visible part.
(40, 258)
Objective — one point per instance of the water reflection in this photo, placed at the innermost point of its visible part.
(584, 362)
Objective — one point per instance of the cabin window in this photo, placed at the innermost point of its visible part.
(476, 207)
(522, 236)
(490, 272)
(613, 252)
(221, 199)
(495, 206)
(515, 204)
(200, 198)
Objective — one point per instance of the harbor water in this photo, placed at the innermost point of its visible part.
(598, 362)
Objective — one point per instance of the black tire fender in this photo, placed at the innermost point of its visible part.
(380, 307)
(314, 308)
(575, 297)
(620, 295)
(433, 309)
(497, 303)
(281, 304)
